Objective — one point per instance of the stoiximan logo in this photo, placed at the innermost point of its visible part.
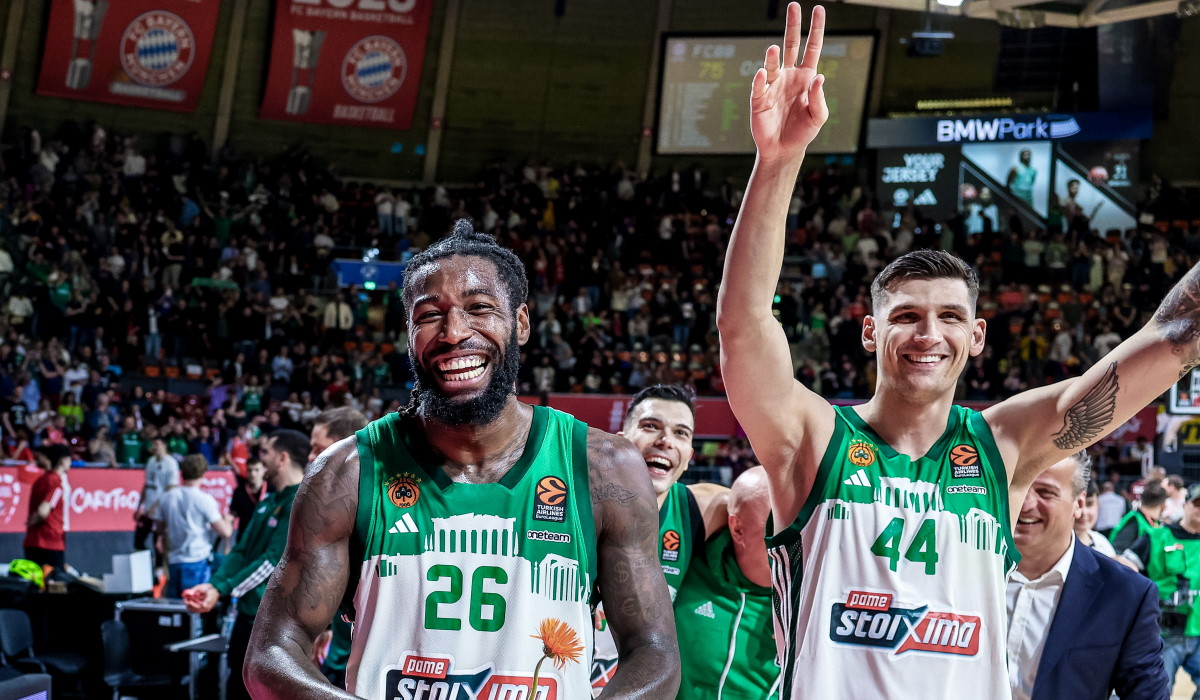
(870, 619)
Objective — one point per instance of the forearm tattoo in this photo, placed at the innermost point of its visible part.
(1091, 414)
(1178, 318)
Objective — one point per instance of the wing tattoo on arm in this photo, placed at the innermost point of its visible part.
(1091, 414)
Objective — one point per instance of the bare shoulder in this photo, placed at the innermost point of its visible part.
(338, 458)
(330, 483)
(617, 477)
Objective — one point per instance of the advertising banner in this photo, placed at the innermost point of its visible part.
(141, 53)
(351, 62)
(99, 500)
(936, 131)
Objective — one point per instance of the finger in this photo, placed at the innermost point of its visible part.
(792, 35)
(816, 38)
(758, 88)
(771, 63)
(816, 100)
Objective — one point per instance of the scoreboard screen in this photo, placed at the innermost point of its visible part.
(704, 93)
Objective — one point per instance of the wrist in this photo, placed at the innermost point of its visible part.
(779, 162)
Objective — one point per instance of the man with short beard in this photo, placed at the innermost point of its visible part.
(470, 532)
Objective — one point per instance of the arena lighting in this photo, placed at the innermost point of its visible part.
(971, 103)
(1188, 8)
(950, 3)
(1021, 19)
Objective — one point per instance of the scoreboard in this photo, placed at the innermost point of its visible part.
(704, 97)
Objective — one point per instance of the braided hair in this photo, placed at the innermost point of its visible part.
(465, 240)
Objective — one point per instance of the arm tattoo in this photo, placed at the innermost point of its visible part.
(612, 492)
(1179, 315)
(1089, 416)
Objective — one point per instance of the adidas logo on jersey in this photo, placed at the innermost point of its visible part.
(404, 525)
(858, 478)
(925, 199)
(706, 610)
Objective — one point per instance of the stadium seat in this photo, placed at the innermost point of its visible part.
(16, 645)
(117, 673)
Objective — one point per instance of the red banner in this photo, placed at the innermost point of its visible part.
(142, 53)
(100, 500)
(714, 419)
(351, 62)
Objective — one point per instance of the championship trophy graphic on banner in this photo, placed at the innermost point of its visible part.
(89, 16)
(306, 51)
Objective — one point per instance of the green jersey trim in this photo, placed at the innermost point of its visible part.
(980, 427)
(419, 451)
(817, 495)
(938, 448)
(583, 506)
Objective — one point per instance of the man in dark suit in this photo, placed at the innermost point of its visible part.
(1080, 625)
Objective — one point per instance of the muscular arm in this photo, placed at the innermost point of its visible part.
(309, 583)
(636, 600)
(713, 500)
(1037, 428)
(779, 414)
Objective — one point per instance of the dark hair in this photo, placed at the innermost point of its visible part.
(341, 422)
(193, 467)
(56, 454)
(667, 392)
(1153, 494)
(923, 265)
(464, 240)
(1176, 481)
(294, 443)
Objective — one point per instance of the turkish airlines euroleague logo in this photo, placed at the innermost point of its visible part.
(964, 462)
(670, 546)
(550, 500)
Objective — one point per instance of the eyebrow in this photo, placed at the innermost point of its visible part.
(479, 291)
(686, 427)
(944, 307)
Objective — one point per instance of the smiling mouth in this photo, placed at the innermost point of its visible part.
(923, 359)
(659, 466)
(461, 369)
(1028, 521)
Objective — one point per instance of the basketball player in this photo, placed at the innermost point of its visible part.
(474, 528)
(661, 422)
(891, 531)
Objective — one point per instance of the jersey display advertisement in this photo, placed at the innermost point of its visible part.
(474, 591)
(139, 53)
(890, 583)
(356, 63)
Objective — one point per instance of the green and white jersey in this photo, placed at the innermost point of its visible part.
(676, 538)
(890, 583)
(456, 579)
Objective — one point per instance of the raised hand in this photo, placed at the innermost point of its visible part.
(787, 102)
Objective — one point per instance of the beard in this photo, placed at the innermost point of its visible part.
(482, 409)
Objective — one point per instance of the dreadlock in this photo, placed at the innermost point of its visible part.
(465, 240)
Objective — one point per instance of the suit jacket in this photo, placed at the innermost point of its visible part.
(1104, 635)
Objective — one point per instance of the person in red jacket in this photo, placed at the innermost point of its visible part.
(45, 542)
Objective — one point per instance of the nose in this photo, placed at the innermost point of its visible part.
(455, 327)
(1030, 501)
(928, 330)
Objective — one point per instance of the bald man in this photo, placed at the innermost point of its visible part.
(723, 609)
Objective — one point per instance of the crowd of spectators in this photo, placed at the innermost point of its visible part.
(123, 259)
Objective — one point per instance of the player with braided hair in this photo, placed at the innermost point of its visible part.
(469, 534)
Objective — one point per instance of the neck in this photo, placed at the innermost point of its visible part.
(475, 449)
(1085, 536)
(190, 483)
(286, 477)
(910, 425)
(1152, 514)
(755, 568)
(1191, 526)
(1036, 563)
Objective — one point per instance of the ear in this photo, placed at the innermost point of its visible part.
(868, 333)
(736, 529)
(1080, 504)
(523, 328)
(978, 336)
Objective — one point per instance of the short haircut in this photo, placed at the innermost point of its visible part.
(193, 467)
(1176, 481)
(923, 265)
(342, 422)
(1093, 489)
(464, 240)
(294, 443)
(667, 392)
(56, 454)
(1083, 473)
(1153, 494)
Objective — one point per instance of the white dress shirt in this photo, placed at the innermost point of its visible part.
(1031, 606)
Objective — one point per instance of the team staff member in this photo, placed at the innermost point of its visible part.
(331, 651)
(479, 527)
(723, 609)
(45, 542)
(906, 497)
(244, 573)
(661, 422)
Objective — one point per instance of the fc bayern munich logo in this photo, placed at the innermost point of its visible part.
(157, 48)
(374, 69)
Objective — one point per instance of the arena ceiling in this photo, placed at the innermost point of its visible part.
(1030, 14)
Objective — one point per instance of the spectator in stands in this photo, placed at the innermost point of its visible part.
(1085, 521)
(45, 542)
(1080, 625)
(1111, 508)
(1139, 522)
(187, 518)
(161, 475)
(248, 493)
(1176, 497)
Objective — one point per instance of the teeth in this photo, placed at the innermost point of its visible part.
(464, 376)
(924, 358)
(658, 462)
(1027, 521)
(460, 363)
